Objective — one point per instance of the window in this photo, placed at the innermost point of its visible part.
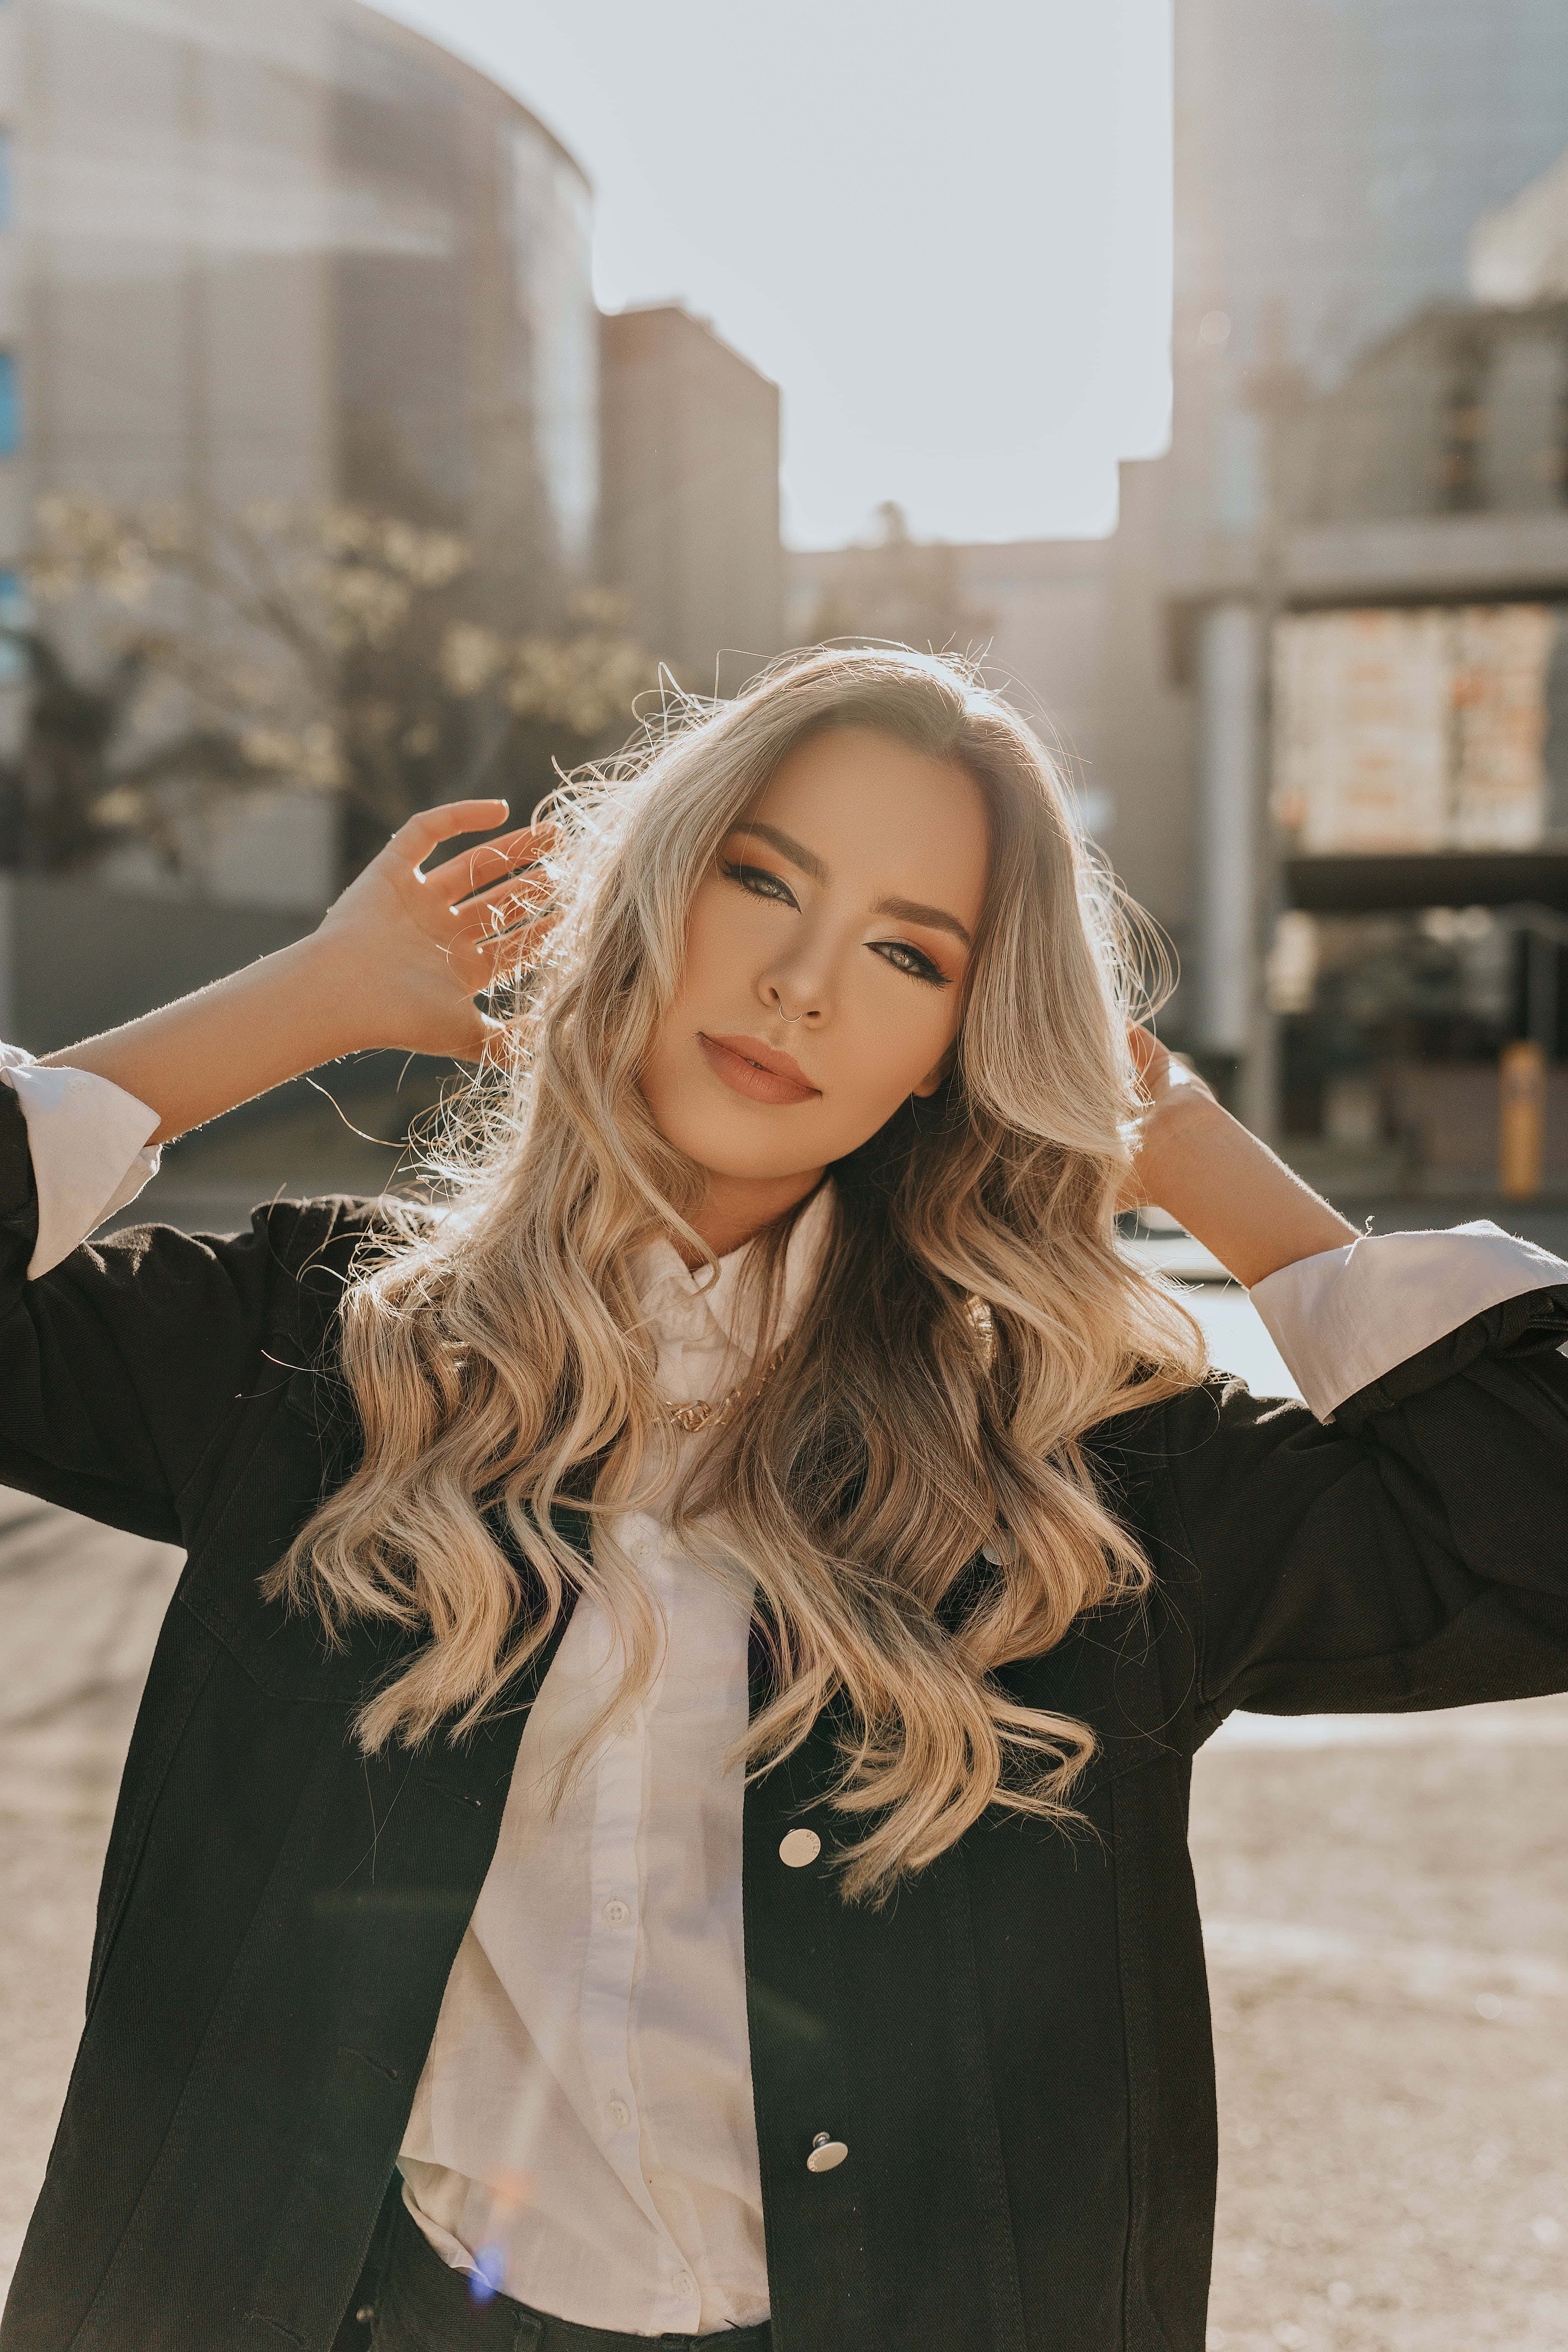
(10, 407)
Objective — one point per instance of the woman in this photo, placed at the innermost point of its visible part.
(659, 1805)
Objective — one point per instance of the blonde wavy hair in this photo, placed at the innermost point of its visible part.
(975, 1318)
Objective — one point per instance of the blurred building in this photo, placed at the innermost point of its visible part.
(1034, 613)
(1418, 749)
(300, 254)
(1337, 595)
(1519, 251)
(691, 443)
(1332, 157)
(1462, 409)
(1332, 160)
(294, 253)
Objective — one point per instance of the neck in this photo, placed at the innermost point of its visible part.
(735, 1209)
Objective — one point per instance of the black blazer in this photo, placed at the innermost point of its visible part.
(1016, 2051)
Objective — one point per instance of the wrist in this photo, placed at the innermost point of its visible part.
(1177, 1132)
(334, 1011)
(196, 1058)
(1234, 1194)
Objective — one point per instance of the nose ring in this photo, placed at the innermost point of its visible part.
(783, 1014)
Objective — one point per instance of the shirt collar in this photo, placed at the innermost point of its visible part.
(704, 1324)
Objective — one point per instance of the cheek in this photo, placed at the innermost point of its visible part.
(715, 952)
(896, 1037)
(708, 964)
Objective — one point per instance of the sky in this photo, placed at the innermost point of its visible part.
(944, 231)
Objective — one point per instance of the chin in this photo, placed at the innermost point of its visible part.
(733, 1147)
(741, 1159)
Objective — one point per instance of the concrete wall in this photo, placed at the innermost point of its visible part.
(76, 957)
(691, 439)
(1044, 606)
(1148, 719)
(173, 229)
(1462, 410)
(1447, 1115)
(257, 248)
(464, 333)
(1034, 610)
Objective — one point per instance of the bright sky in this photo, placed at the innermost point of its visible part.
(944, 231)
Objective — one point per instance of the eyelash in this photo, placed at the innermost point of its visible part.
(750, 877)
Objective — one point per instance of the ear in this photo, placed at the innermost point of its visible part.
(938, 1072)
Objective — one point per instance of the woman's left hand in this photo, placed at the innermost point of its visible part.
(1169, 1088)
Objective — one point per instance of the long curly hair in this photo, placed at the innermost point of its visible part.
(975, 1318)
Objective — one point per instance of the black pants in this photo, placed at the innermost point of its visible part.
(424, 2307)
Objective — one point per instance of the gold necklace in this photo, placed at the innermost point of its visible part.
(704, 1413)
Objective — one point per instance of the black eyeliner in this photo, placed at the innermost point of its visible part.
(737, 870)
(932, 976)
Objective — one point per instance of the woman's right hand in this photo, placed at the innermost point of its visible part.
(407, 951)
(397, 961)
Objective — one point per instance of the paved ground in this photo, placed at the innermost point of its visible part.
(1387, 1915)
(82, 1606)
(1387, 1928)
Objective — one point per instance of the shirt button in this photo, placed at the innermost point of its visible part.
(825, 2154)
(620, 2114)
(617, 1913)
(684, 2283)
(800, 1847)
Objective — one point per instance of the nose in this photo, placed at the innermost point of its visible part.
(798, 990)
(792, 1004)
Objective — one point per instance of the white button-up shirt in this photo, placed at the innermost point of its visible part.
(583, 2132)
(584, 2125)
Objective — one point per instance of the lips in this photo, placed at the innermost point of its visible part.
(750, 1067)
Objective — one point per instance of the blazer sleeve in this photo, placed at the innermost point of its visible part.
(1412, 1552)
(123, 1365)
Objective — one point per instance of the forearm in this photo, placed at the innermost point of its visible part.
(196, 1058)
(1233, 1194)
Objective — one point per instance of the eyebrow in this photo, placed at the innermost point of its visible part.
(908, 910)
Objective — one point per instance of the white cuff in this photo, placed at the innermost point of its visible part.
(1344, 1317)
(88, 1141)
